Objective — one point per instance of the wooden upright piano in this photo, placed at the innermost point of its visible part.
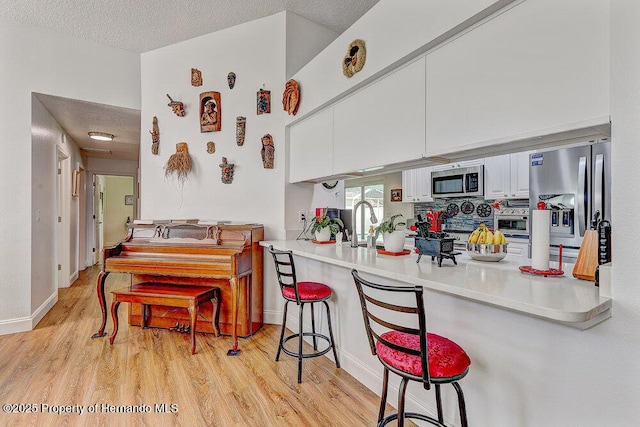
(225, 255)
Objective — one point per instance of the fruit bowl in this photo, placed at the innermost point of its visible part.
(484, 252)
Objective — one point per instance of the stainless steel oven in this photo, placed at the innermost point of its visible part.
(513, 222)
(459, 182)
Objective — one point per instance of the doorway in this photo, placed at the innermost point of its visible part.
(114, 207)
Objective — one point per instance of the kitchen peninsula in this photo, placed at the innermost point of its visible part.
(511, 324)
(565, 300)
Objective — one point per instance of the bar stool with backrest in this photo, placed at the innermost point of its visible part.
(301, 293)
(409, 351)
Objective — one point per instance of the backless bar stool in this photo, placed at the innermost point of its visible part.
(301, 293)
(412, 353)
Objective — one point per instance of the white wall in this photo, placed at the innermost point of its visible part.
(256, 53)
(618, 353)
(304, 40)
(47, 138)
(37, 60)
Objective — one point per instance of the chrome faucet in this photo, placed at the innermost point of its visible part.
(354, 234)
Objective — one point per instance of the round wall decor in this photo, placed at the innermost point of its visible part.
(355, 58)
(330, 184)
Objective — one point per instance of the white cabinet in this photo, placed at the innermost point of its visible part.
(540, 66)
(416, 185)
(455, 165)
(311, 147)
(507, 176)
(520, 174)
(382, 124)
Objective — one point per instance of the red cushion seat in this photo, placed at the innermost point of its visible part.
(446, 358)
(308, 291)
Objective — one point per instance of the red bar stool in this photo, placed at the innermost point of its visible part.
(412, 353)
(301, 293)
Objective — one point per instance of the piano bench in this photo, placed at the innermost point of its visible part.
(181, 296)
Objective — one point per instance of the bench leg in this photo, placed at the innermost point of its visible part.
(114, 315)
(215, 314)
(193, 311)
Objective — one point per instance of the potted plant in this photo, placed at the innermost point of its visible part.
(392, 236)
(322, 226)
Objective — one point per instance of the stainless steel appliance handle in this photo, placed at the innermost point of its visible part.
(598, 182)
(582, 195)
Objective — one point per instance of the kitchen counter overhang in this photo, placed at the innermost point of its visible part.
(572, 302)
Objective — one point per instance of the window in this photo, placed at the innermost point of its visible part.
(372, 193)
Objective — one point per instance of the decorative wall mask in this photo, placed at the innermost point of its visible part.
(176, 106)
(241, 125)
(355, 58)
(211, 147)
(227, 171)
(264, 101)
(268, 151)
(180, 162)
(231, 79)
(196, 77)
(155, 136)
(291, 97)
(210, 112)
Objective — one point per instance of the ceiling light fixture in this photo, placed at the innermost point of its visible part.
(101, 136)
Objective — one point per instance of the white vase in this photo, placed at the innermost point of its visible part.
(323, 235)
(394, 242)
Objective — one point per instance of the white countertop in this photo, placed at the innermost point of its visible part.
(561, 299)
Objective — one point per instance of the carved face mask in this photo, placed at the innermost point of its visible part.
(231, 79)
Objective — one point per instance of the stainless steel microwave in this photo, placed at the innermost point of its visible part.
(459, 182)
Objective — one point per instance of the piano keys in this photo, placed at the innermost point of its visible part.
(227, 256)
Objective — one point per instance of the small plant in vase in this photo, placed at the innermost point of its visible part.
(322, 226)
(393, 233)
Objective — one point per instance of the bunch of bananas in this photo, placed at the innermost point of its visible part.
(482, 235)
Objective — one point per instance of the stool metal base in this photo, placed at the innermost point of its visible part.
(413, 415)
(301, 334)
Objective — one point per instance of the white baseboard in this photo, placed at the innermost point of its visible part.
(13, 326)
(73, 278)
(25, 324)
(41, 311)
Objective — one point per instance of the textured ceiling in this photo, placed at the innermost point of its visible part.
(144, 25)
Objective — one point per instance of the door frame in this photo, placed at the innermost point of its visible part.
(92, 252)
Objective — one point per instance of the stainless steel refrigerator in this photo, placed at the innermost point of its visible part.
(575, 184)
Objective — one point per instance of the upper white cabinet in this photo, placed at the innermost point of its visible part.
(311, 147)
(540, 66)
(507, 176)
(416, 185)
(456, 165)
(382, 124)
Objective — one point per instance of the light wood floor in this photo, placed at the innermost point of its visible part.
(59, 364)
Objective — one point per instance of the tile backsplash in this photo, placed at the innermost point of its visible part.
(461, 214)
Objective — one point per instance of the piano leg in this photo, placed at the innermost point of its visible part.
(102, 277)
(235, 297)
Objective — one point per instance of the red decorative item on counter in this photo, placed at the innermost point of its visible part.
(545, 273)
(541, 205)
(435, 219)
